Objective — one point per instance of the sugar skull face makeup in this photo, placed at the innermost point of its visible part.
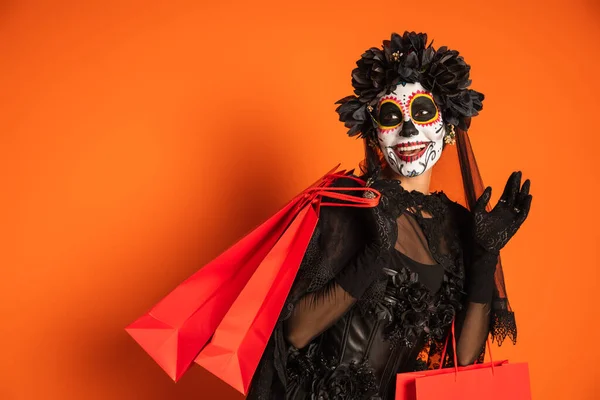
(410, 129)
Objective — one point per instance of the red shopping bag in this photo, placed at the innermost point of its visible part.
(175, 330)
(496, 380)
(238, 343)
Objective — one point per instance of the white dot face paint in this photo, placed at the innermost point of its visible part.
(410, 129)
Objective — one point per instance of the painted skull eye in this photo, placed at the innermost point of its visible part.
(390, 115)
(423, 109)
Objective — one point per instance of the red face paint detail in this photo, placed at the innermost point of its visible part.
(393, 99)
(413, 157)
(413, 94)
(405, 108)
(428, 94)
(409, 144)
(430, 123)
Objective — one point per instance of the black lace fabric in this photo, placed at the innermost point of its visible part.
(331, 345)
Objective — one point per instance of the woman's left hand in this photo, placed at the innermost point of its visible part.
(495, 228)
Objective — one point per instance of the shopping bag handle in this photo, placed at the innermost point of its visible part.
(349, 199)
(322, 189)
(453, 334)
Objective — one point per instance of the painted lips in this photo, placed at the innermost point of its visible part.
(411, 151)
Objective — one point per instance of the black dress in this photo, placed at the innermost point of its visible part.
(347, 348)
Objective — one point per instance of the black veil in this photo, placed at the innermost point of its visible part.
(462, 180)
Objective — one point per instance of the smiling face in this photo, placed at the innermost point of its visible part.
(410, 129)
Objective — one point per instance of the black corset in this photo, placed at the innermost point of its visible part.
(355, 357)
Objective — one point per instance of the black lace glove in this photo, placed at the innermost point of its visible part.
(492, 231)
(381, 222)
(495, 228)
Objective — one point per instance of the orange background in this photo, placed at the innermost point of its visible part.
(140, 139)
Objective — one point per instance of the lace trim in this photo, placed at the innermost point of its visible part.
(504, 325)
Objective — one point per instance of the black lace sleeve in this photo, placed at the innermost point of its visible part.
(473, 322)
(485, 302)
(317, 301)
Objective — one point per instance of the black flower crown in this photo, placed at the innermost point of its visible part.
(408, 58)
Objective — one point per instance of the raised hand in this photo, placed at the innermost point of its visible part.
(495, 228)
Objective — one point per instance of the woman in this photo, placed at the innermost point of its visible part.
(378, 289)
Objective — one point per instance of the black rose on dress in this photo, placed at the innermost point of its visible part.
(441, 320)
(412, 323)
(402, 277)
(417, 298)
(301, 365)
(346, 382)
(339, 385)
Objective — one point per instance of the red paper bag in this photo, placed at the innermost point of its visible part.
(175, 330)
(235, 350)
(496, 380)
(476, 382)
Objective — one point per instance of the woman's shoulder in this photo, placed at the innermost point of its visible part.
(338, 214)
(349, 180)
(345, 185)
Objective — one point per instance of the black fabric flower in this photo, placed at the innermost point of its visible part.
(340, 385)
(417, 298)
(441, 320)
(302, 364)
(346, 382)
(408, 58)
(371, 75)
